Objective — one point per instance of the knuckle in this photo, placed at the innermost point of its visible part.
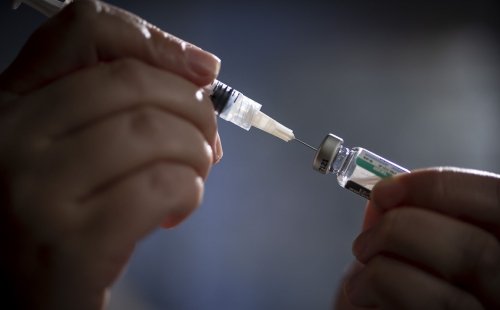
(126, 70)
(129, 74)
(145, 121)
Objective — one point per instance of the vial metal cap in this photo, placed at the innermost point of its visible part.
(326, 153)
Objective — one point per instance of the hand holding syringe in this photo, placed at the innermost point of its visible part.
(229, 104)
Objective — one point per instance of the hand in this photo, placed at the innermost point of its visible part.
(431, 241)
(105, 134)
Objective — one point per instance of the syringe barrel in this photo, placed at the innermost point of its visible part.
(220, 94)
(233, 106)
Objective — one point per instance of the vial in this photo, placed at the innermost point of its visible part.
(357, 169)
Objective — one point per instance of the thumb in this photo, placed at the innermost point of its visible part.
(467, 194)
(87, 32)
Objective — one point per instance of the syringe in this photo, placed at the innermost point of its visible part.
(229, 104)
(233, 106)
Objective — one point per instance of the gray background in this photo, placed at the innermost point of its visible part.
(417, 82)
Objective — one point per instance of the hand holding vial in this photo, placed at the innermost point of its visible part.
(430, 241)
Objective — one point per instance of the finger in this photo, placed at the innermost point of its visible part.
(467, 194)
(163, 193)
(123, 214)
(121, 85)
(85, 33)
(160, 194)
(456, 251)
(115, 147)
(387, 283)
(341, 300)
(372, 216)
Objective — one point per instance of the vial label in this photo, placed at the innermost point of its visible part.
(368, 170)
(358, 189)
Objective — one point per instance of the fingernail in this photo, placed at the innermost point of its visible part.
(218, 149)
(201, 62)
(388, 193)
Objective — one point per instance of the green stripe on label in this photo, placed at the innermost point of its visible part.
(376, 170)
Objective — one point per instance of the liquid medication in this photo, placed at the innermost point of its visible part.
(357, 169)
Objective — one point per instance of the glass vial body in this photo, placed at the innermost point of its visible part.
(357, 169)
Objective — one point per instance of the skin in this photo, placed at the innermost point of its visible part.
(430, 241)
(105, 134)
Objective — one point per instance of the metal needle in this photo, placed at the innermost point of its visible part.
(298, 140)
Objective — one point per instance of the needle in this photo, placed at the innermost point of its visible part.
(298, 140)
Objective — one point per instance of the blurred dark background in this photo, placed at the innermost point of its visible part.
(415, 81)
